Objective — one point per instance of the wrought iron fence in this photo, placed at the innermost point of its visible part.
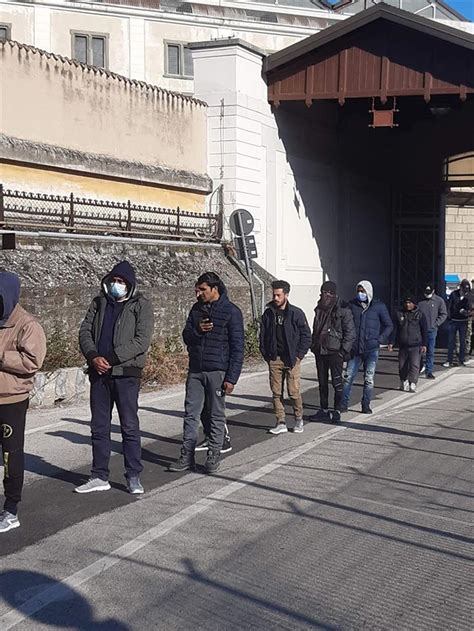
(21, 210)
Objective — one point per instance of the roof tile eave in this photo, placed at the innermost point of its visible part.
(104, 72)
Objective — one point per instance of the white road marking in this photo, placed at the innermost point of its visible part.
(14, 616)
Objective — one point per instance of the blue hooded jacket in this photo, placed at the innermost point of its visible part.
(9, 295)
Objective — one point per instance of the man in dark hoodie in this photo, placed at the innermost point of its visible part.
(22, 352)
(373, 326)
(114, 338)
(460, 307)
(284, 341)
(214, 336)
(433, 308)
(411, 332)
(333, 336)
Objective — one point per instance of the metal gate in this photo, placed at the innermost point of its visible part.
(417, 258)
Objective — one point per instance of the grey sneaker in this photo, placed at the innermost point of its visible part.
(280, 428)
(93, 484)
(412, 387)
(212, 463)
(8, 521)
(299, 426)
(134, 485)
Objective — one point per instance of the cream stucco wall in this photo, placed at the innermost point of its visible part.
(48, 100)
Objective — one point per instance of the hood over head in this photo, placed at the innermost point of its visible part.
(369, 290)
(9, 294)
(125, 271)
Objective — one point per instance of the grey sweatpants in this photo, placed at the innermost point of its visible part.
(409, 360)
(201, 386)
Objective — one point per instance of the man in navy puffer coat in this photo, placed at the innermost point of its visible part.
(214, 336)
(373, 327)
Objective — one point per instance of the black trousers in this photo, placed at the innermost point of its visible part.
(325, 364)
(12, 436)
(123, 392)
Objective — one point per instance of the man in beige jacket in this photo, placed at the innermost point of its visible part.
(22, 352)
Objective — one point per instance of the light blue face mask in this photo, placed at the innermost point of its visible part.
(118, 290)
(362, 297)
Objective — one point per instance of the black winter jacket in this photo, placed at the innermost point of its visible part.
(459, 307)
(340, 334)
(223, 347)
(296, 331)
(373, 326)
(410, 329)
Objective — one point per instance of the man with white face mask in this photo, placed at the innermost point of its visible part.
(434, 309)
(373, 327)
(114, 338)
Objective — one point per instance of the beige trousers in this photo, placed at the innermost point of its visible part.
(279, 373)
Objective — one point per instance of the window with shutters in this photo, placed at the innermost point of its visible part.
(5, 32)
(90, 48)
(178, 60)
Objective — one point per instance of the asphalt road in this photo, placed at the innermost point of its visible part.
(365, 525)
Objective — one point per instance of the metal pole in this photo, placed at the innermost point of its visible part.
(2, 207)
(247, 267)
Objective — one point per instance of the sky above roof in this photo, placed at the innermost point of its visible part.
(466, 7)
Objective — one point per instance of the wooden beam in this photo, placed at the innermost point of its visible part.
(309, 85)
(427, 86)
(384, 79)
(342, 76)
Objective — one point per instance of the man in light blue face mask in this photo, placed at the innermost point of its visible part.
(373, 327)
(114, 338)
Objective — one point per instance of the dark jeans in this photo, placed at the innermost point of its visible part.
(430, 350)
(324, 364)
(409, 361)
(369, 364)
(123, 392)
(12, 437)
(457, 326)
(200, 387)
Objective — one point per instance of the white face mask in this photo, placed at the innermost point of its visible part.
(429, 295)
(118, 290)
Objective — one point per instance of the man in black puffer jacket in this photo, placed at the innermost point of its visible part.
(411, 332)
(333, 336)
(214, 336)
(284, 341)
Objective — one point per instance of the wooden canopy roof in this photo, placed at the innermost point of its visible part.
(382, 52)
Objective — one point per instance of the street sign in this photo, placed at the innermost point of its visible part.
(249, 243)
(241, 222)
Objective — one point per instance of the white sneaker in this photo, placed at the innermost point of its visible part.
(8, 521)
(93, 484)
(413, 387)
(447, 365)
(404, 386)
(299, 426)
(280, 428)
(423, 370)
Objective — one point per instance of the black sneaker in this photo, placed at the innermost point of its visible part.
(321, 416)
(429, 375)
(226, 447)
(334, 416)
(212, 461)
(343, 409)
(366, 410)
(203, 445)
(184, 463)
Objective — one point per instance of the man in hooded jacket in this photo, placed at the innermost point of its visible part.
(373, 326)
(22, 352)
(333, 336)
(114, 338)
(434, 309)
(460, 308)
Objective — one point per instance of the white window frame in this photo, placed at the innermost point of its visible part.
(182, 46)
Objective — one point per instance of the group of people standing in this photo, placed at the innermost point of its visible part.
(116, 334)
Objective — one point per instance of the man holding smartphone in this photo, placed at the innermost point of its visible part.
(214, 336)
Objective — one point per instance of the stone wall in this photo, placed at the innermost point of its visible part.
(61, 275)
(460, 241)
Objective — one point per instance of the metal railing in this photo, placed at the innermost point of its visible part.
(22, 210)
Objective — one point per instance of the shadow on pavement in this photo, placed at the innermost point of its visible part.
(67, 608)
